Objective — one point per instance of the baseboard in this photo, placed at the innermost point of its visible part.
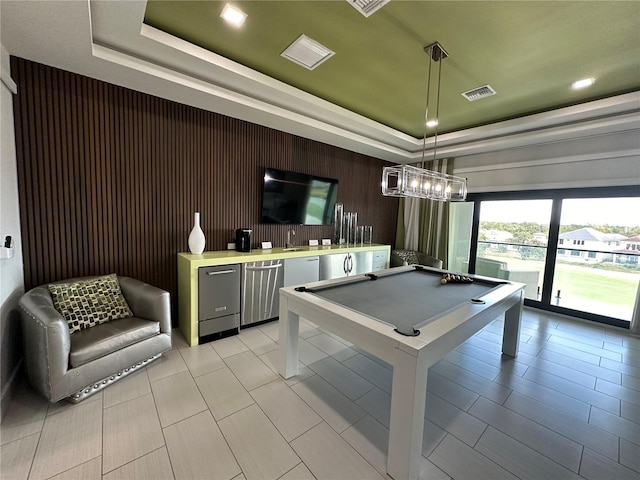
(9, 389)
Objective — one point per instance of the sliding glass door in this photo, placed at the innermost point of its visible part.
(578, 251)
(597, 255)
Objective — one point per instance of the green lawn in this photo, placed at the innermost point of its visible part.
(582, 281)
(595, 285)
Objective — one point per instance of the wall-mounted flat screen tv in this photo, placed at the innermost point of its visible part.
(298, 198)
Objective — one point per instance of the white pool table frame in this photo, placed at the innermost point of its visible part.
(410, 356)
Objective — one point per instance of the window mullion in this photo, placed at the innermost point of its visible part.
(552, 251)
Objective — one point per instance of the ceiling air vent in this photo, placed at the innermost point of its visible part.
(478, 93)
(307, 52)
(368, 7)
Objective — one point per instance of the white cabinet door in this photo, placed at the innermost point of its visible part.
(298, 271)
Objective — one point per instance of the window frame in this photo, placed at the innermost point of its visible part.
(556, 195)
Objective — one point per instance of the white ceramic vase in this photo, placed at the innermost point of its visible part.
(196, 237)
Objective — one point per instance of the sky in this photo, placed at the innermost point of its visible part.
(581, 211)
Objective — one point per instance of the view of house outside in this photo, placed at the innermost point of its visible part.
(597, 268)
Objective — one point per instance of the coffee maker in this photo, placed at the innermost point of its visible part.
(243, 239)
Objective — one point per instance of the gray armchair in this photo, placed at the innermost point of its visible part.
(61, 364)
(412, 257)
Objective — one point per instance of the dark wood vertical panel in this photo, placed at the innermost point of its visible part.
(23, 152)
(109, 178)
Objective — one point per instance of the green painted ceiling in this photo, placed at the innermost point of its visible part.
(529, 51)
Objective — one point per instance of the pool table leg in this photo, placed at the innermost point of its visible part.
(288, 341)
(511, 332)
(406, 426)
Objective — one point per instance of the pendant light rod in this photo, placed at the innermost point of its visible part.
(435, 53)
(426, 114)
(435, 133)
(418, 182)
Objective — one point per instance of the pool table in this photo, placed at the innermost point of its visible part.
(408, 318)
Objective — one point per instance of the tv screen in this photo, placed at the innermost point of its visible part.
(297, 198)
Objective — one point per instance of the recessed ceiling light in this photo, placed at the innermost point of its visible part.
(432, 123)
(584, 83)
(233, 15)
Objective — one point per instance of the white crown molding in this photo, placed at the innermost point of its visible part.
(5, 74)
(550, 161)
(8, 82)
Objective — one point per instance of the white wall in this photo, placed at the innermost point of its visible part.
(598, 161)
(11, 270)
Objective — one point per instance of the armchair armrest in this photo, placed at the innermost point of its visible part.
(396, 261)
(528, 277)
(147, 301)
(428, 260)
(49, 344)
(408, 257)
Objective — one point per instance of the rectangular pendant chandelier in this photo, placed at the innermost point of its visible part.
(410, 181)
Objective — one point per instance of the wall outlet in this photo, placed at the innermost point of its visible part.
(231, 246)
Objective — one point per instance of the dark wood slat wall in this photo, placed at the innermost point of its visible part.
(109, 178)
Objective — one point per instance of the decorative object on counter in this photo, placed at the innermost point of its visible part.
(267, 246)
(291, 238)
(412, 181)
(359, 236)
(243, 239)
(326, 242)
(196, 237)
(368, 234)
(338, 237)
(347, 227)
(313, 243)
(354, 228)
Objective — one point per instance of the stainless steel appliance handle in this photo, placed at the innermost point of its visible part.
(221, 272)
(267, 267)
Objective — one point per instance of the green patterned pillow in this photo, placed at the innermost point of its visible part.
(85, 303)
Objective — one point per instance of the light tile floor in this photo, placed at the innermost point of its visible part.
(567, 408)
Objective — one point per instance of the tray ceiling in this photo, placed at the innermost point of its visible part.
(530, 52)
